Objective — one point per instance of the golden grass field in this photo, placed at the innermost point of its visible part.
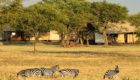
(92, 61)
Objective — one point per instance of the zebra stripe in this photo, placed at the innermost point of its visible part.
(111, 73)
(73, 72)
(29, 72)
(38, 72)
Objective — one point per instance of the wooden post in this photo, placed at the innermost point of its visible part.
(133, 37)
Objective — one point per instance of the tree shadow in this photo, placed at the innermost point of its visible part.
(102, 54)
(17, 43)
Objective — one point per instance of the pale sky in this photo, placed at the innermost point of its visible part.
(132, 5)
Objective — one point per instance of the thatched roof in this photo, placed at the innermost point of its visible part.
(121, 27)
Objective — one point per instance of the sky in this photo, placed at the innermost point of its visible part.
(132, 5)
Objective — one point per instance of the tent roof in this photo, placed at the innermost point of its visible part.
(117, 28)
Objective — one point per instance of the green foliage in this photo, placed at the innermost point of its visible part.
(5, 3)
(37, 18)
(55, 16)
(65, 16)
(9, 14)
(135, 19)
(80, 15)
(76, 13)
(108, 12)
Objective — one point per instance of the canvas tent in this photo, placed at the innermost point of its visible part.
(118, 33)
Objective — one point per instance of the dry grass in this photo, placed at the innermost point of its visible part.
(92, 61)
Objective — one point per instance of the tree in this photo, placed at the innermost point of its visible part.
(9, 13)
(135, 20)
(89, 32)
(34, 20)
(3, 5)
(76, 13)
(108, 12)
(40, 18)
(61, 19)
(29, 20)
(20, 19)
(81, 15)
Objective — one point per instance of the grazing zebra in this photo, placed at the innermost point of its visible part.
(29, 72)
(73, 72)
(49, 71)
(111, 73)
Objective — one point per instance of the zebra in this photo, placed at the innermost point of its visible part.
(32, 72)
(29, 72)
(72, 72)
(49, 71)
(111, 73)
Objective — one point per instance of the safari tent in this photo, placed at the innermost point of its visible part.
(118, 33)
(9, 34)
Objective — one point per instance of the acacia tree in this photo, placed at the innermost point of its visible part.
(76, 13)
(106, 13)
(33, 22)
(81, 16)
(41, 18)
(28, 20)
(60, 19)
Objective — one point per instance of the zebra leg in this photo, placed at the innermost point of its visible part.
(62, 75)
(104, 77)
(111, 78)
(75, 75)
(52, 76)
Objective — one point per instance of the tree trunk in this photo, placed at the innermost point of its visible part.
(63, 40)
(67, 41)
(87, 41)
(105, 37)
(81, 41)
(35, 41)
(35, 46)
